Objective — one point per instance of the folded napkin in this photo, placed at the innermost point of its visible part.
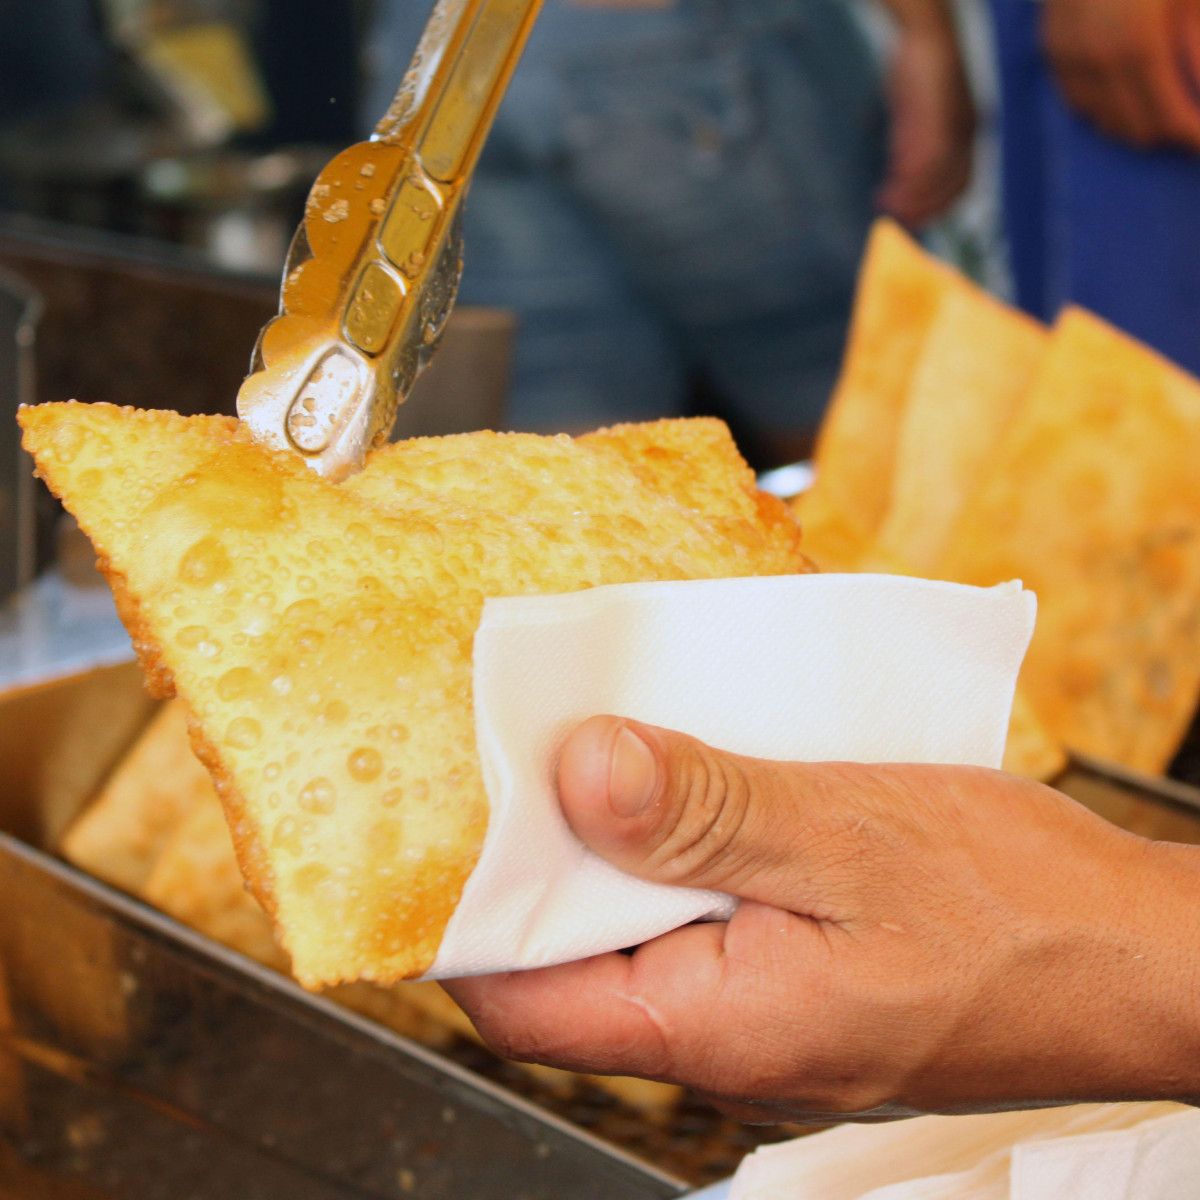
(816, 667)
(1092, 1151)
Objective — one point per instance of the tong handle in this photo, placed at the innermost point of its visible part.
(374, 268)
(441, 117)
(447, 101)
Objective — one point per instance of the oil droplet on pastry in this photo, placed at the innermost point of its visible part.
(391, 798)
(336, 712)
(243, 733)
(310, 639)
(306, 583)
(286, 835)
(311, 876)
(281, 684)
(364, 764)
(398, 733)
(318, 796)
(208, 648)
(271, 771)
(192, 635)
(205, 562)
(302, 610)
(240, 683)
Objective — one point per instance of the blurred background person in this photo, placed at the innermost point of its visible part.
(676, 196)
(1101, 153)
(674, 200)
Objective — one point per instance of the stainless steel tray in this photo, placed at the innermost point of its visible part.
(138, 1059)
(141, 1060)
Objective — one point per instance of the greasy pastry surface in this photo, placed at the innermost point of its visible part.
(971, 377)
(900, 290)
(321, 635)
(1093, 498)
(152, 791)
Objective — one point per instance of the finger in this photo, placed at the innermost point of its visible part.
(1171, 100)
(758, 980)
(912, 190)
(648, 1014)
(1188, 17)
(668, 808)
(1119, 102)
(1094, 63)
(914, 201)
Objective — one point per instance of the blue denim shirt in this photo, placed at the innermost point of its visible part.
(672, 193)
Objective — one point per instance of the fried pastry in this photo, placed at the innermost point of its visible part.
(1093, 498)
(900, 291)
(152, 791)
(321, 635)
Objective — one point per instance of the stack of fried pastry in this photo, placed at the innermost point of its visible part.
(968, 442)
(156, 830)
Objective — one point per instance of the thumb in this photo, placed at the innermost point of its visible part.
(670, 809)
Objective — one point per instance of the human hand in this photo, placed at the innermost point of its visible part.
(1130, 66)
(912, 938)
(932, 115)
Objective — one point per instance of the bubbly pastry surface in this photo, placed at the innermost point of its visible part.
(321, 635)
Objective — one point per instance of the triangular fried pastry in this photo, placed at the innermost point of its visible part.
(152, 792)
(974, 370)
(900, 290)
(1093, 499)
(321, 635)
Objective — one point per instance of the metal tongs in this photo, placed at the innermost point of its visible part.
(374, 267)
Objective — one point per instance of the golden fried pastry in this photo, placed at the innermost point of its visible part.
(196, 880)
(900, 291)
(973, 373)
(154, 789)
(188, 869)
(1094, 500)
(321, 634)
(1031, 750)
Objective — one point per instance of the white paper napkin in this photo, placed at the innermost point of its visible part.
(1089, 1152)
(817, 667)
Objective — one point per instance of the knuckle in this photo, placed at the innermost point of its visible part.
(710, 796)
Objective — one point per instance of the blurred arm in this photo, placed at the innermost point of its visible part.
(933, 115)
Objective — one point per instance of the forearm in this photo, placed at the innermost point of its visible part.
(921, 14)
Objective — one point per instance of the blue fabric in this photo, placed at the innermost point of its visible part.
(672, 192)
(1089, 220)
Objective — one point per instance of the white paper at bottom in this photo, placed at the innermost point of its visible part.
(865, 668)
